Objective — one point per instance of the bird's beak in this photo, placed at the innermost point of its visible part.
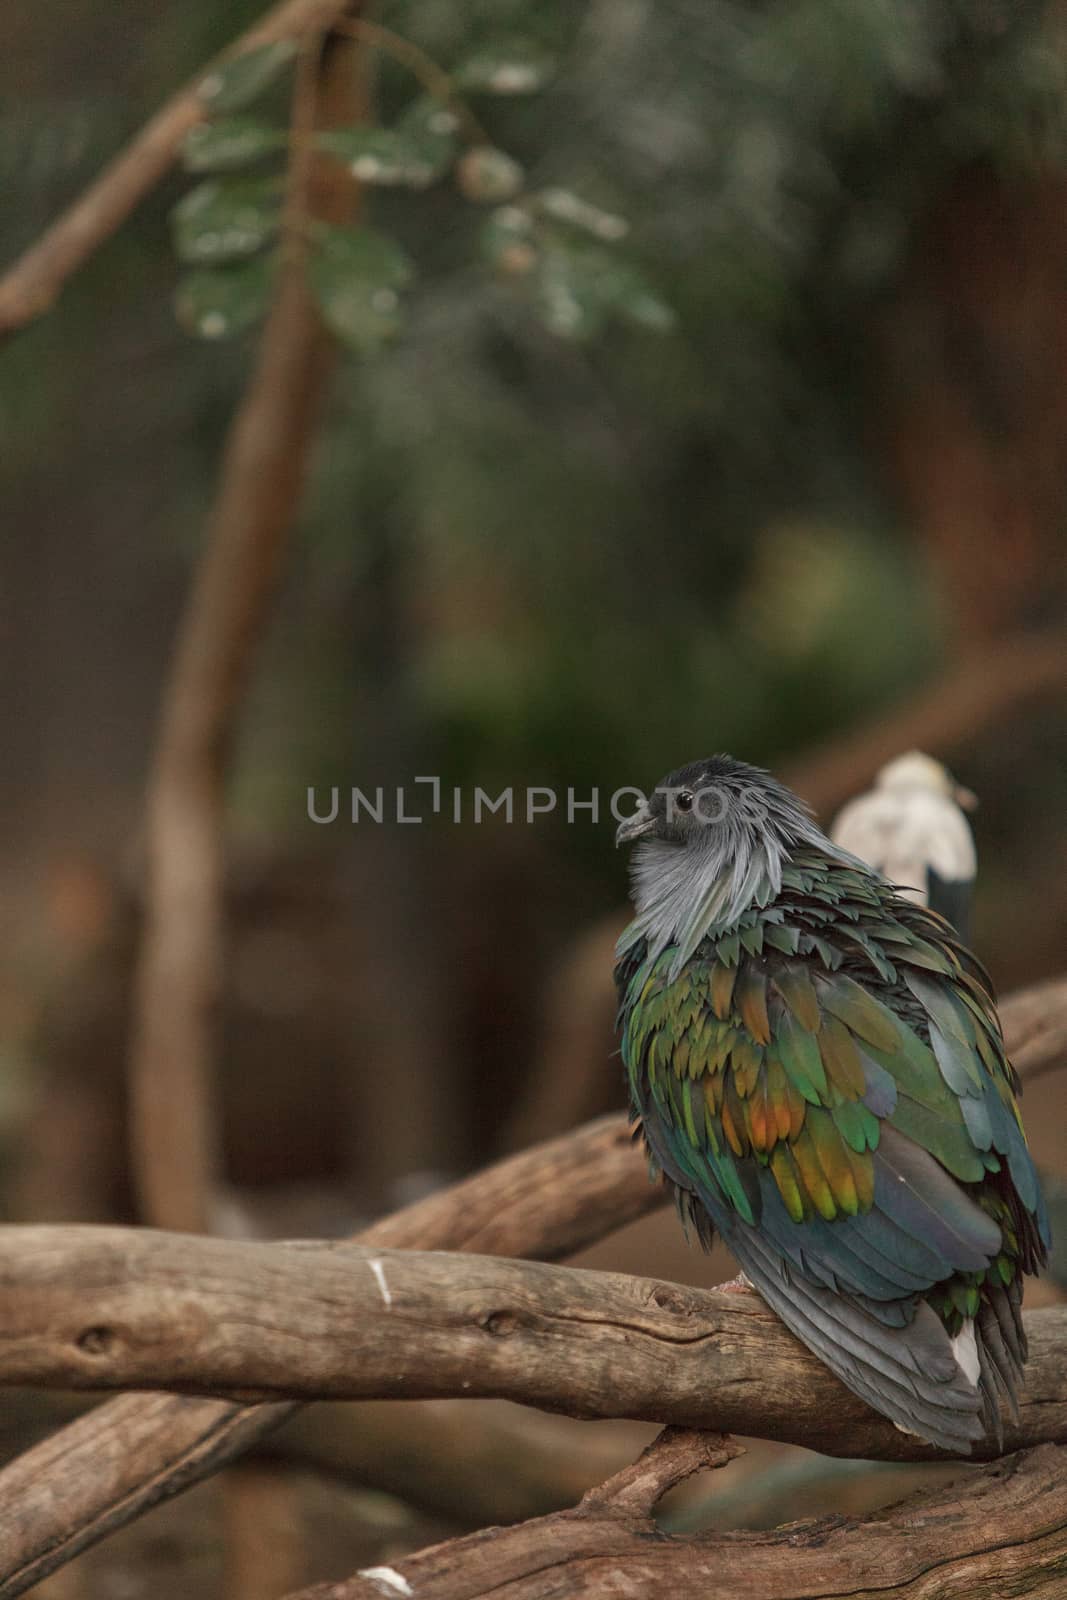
(966, 799)
(636, 827)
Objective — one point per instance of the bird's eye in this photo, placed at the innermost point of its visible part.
(684, 801)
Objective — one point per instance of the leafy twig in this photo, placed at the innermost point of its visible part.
(31, 284)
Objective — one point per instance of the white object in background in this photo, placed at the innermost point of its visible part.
(911, 828)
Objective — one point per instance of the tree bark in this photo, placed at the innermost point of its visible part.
(127, 1308)
(128, 1455)
(998, 1532)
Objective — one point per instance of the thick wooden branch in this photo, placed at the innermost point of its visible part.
(126, 1308)
(108, 1467)
(129, 1454)
(1001, 1531)
(31, 284)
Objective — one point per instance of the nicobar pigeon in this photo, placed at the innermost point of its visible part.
(817, 1068)
(911, 828)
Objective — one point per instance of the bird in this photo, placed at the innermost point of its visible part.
(911, 828)
(816, 1068)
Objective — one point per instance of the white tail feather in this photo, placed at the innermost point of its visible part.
(965, 1350)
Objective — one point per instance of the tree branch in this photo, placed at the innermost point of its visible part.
(172, 1125)
(996, 1532)
(122, 1308)
(31, 284)
(128, 1455)
(977, 693)
(133, 1452)
(125, 1456)
(676, 1454)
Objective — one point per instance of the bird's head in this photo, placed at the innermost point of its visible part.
(716, 803)
(916, 771)
(711, 841)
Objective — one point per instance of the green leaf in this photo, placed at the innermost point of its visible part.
(563, 206)
(221, 302)
(639, 304)
(356, 275)
(510, 242)
(223, 219)
(430, 130)
(488, 174)
(581, 286)
(364, 251)
(381, 156)
(216, 146)
(243, 78)
(510, 66)
(569, 296)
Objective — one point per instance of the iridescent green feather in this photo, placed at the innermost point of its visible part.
(783, 1045)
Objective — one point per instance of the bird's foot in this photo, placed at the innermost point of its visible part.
(736, 1285)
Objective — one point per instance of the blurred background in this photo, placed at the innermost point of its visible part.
(833, 495)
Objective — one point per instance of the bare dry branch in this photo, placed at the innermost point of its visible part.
(996, 1532)
(172, 1126)
(128, 1455)
(31, 285)
(976, 694)
(673, 1456)
(121, 1308)
(547, 1203)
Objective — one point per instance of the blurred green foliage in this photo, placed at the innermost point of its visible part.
(524, 557)
(534, 560)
